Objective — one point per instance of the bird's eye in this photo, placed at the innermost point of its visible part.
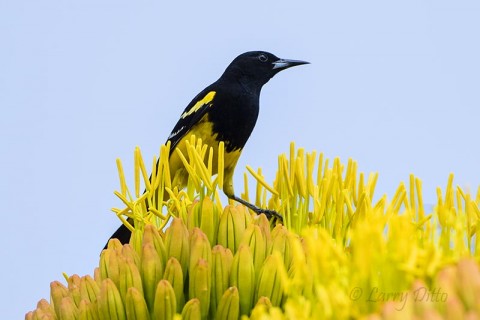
(263, 58)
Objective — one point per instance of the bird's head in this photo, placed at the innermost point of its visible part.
(257, 67)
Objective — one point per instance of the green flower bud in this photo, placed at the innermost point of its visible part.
(447, 280)
(200, 285)
(264, 225)
(469, 283)
(264, 301)
(454, 309)
(87, 311)
(68, 310)
(301, 280)
(222, 259)
(233, 223)
(129, 277)
(281, 243)
(135, 305)
(271, 280)
(242, 276)
(152, 272)
(255, 239)
(209, 219)
(152, 236)
(110, 305)
(89, 289)
(261, 309)
(114, 244)
(136, 239)
(229, 305)
(199, 248)
(57, 292)
(44, 311)
(191, 310)
(109, 265)
(177, 243)
(193, 220)
(128, 252)
(97, 275)
(73, 283)
(165, 303)
(174, 275)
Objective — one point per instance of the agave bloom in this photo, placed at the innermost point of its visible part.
(338, 255)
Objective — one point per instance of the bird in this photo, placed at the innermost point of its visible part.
(227, 110)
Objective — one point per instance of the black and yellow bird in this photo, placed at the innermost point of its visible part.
(227, 111)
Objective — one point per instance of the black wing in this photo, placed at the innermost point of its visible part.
(195, 110)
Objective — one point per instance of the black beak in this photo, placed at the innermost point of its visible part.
(282, 64)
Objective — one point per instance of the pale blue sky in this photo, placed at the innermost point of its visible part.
(392, 84)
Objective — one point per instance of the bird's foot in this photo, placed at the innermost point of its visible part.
(267, 212)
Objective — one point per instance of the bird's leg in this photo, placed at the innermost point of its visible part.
(228, 190)
(257, 210)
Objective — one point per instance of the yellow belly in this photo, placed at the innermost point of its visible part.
(203, 130)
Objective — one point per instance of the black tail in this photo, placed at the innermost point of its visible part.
(122, 234)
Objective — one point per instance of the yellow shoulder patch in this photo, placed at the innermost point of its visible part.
(206, 100)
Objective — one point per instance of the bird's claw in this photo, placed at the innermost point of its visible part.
(270, 214)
